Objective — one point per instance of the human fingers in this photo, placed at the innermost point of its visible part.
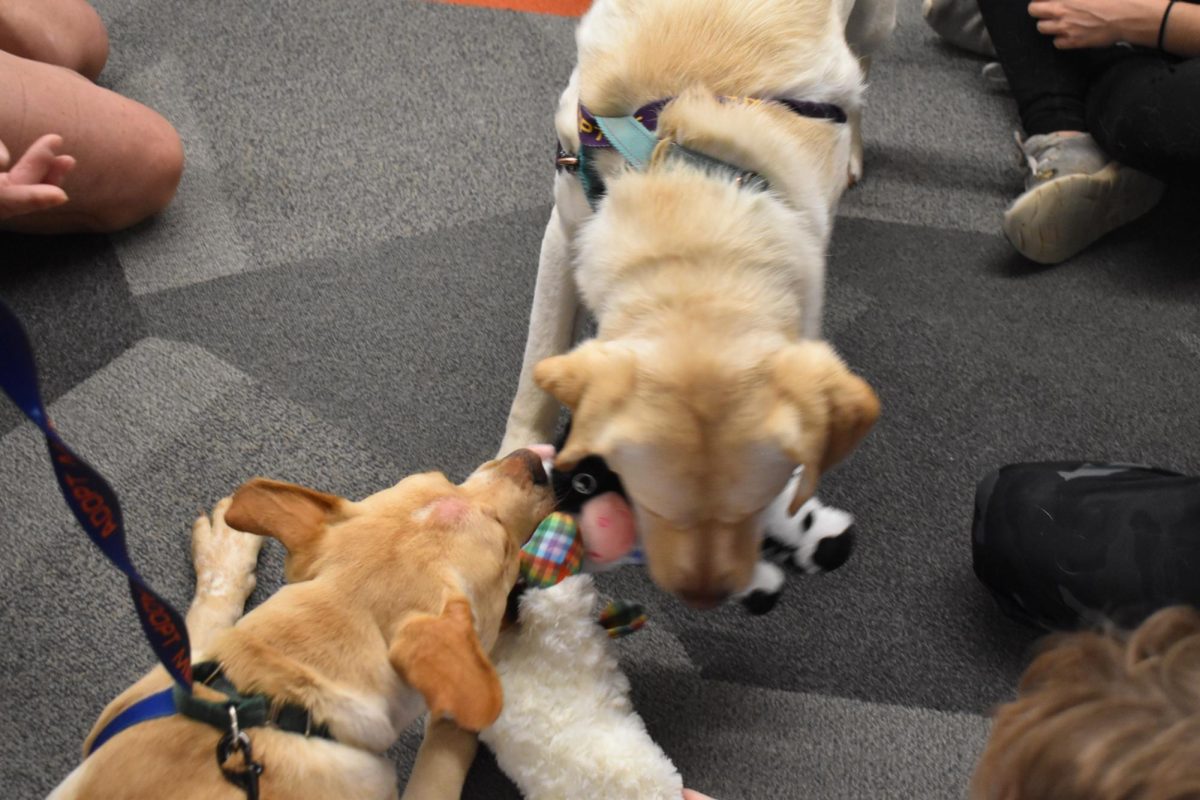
(3, 156)
(35, 163)
(18, 200)
(1045, 9)
(59, 169)
(1052, 27)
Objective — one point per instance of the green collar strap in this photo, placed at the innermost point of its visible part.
(253, 711)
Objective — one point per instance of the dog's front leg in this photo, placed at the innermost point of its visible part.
(224, 559)
(533, 414)
(869, 25)
(854, 118)
(442, 762)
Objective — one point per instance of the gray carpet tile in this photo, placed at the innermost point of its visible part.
(414, 343)
(71, 295)
(174, 429)
(939, 143)
(740, 744)
(331, 126)
(197, 238)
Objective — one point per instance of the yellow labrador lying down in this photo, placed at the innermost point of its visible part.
(391, 607)
(703, 266)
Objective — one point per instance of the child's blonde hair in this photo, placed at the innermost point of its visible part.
(1103, 716)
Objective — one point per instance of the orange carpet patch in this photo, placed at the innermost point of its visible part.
(563, 8)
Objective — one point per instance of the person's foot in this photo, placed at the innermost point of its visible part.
(959, 23)
(1073, 195)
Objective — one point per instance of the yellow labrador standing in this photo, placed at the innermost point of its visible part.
(704, 268)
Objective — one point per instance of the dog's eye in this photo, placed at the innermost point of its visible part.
(584, 483)
(808, 520)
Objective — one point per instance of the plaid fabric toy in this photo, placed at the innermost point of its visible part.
(555, 553)
(621, 619)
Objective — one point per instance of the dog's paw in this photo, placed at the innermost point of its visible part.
(854, 173)
(855, 168)
(224, 558)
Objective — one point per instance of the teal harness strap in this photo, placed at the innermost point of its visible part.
(634, 139)
(636, 143)
(631, 139)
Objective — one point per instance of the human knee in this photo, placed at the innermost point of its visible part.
(1129, 141)
(66, 33)
(90, 46)
(1137, 113)
(165, 168)
(153, 179)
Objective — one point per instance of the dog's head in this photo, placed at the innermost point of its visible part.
(429, 561)
(704, 439)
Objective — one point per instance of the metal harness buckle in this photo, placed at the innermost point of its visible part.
(233, 741)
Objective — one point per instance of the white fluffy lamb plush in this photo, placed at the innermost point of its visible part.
(568, 729)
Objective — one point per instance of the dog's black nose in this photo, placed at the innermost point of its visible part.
(834, 551)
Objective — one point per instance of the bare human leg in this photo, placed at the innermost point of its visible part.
(129, 159)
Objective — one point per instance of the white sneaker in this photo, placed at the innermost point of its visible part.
(1073, 195)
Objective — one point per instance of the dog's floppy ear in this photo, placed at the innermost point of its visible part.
(441, 657)
(592, 380)
(294, 515)
(834, 410)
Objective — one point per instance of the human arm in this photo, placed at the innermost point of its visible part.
(34, 183)
(1103, 23)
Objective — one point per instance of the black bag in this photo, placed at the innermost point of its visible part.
(1068, 545)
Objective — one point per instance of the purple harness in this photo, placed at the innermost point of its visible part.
(590, 134)
(592, 137)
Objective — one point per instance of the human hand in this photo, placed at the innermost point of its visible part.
(1098, 23)
(34, 183)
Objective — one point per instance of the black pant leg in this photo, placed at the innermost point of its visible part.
(1144, 111)
(1050, 85)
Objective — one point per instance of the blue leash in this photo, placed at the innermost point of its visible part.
(95, 506)
(93, 502)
